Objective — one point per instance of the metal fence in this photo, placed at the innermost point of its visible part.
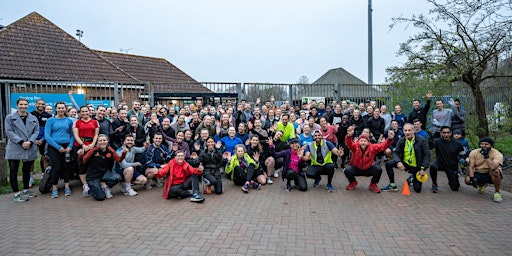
(93, 91)
(294, 92)
(383, 94)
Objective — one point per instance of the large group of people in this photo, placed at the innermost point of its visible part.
(178, 148)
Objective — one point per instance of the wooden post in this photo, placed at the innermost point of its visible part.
(3, 164)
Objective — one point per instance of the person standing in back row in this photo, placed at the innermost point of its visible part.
(59, 135)
(22, 129)
(419, 112)
(42, 116)
(440, 117)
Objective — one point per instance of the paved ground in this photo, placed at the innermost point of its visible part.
(266, 222)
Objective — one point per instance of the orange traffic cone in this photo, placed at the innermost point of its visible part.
(405, 190)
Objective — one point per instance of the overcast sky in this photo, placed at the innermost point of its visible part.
(235, 40)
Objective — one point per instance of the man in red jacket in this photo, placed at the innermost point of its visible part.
(181, 177)
(363, 154)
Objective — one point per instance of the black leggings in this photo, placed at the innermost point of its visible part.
(375, 171)
(314, 171)
(412, 170)
(242, 176)
(59, 166)
(299, 180)
(14, 165)
(180, 190)
(215, 180)
(452, 175)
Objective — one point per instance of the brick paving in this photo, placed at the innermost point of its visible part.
(266, 222)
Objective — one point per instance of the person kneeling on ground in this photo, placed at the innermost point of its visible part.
(363, 154)
(181, 177)
(99, 160)
(411, 154)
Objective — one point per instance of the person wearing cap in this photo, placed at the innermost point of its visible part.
(320, 153)
(293, 164)
(363, 154)
(485, 168)
(419, 112)
(410, 154)
(447, 159)
(458, 116)
(457, 134)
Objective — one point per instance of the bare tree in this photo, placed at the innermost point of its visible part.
(303, 80)
(458, 40)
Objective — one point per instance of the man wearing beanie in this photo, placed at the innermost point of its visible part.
(361, 163)
(485, 167)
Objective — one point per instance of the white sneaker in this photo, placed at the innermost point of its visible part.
(108, 193)
(269, 180)
(276, 174)
(85, 193)
(130, 192)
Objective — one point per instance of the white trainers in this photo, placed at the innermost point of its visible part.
(85, 193)
(108, 193)
(130, 192)
(269, 180)
(276, 174)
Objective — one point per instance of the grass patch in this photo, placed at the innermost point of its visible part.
(7, 187)
(504, 145)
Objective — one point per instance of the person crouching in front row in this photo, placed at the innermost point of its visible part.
(181, 177)
(99, 160)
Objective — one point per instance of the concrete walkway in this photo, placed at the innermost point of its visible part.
(270, 221)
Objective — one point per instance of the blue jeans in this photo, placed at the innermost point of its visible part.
(95, 189)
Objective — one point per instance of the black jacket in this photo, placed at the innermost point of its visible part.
(421, 151)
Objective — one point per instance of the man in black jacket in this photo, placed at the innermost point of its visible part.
(447, 159)
(411, 154)
(419, 112)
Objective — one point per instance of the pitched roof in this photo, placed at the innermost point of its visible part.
(350, 86)
(158, 71)
(338, 76)
(33, 48)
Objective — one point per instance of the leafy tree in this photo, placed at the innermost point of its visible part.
(459, 41)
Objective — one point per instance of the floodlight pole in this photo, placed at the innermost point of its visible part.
(370, 44)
